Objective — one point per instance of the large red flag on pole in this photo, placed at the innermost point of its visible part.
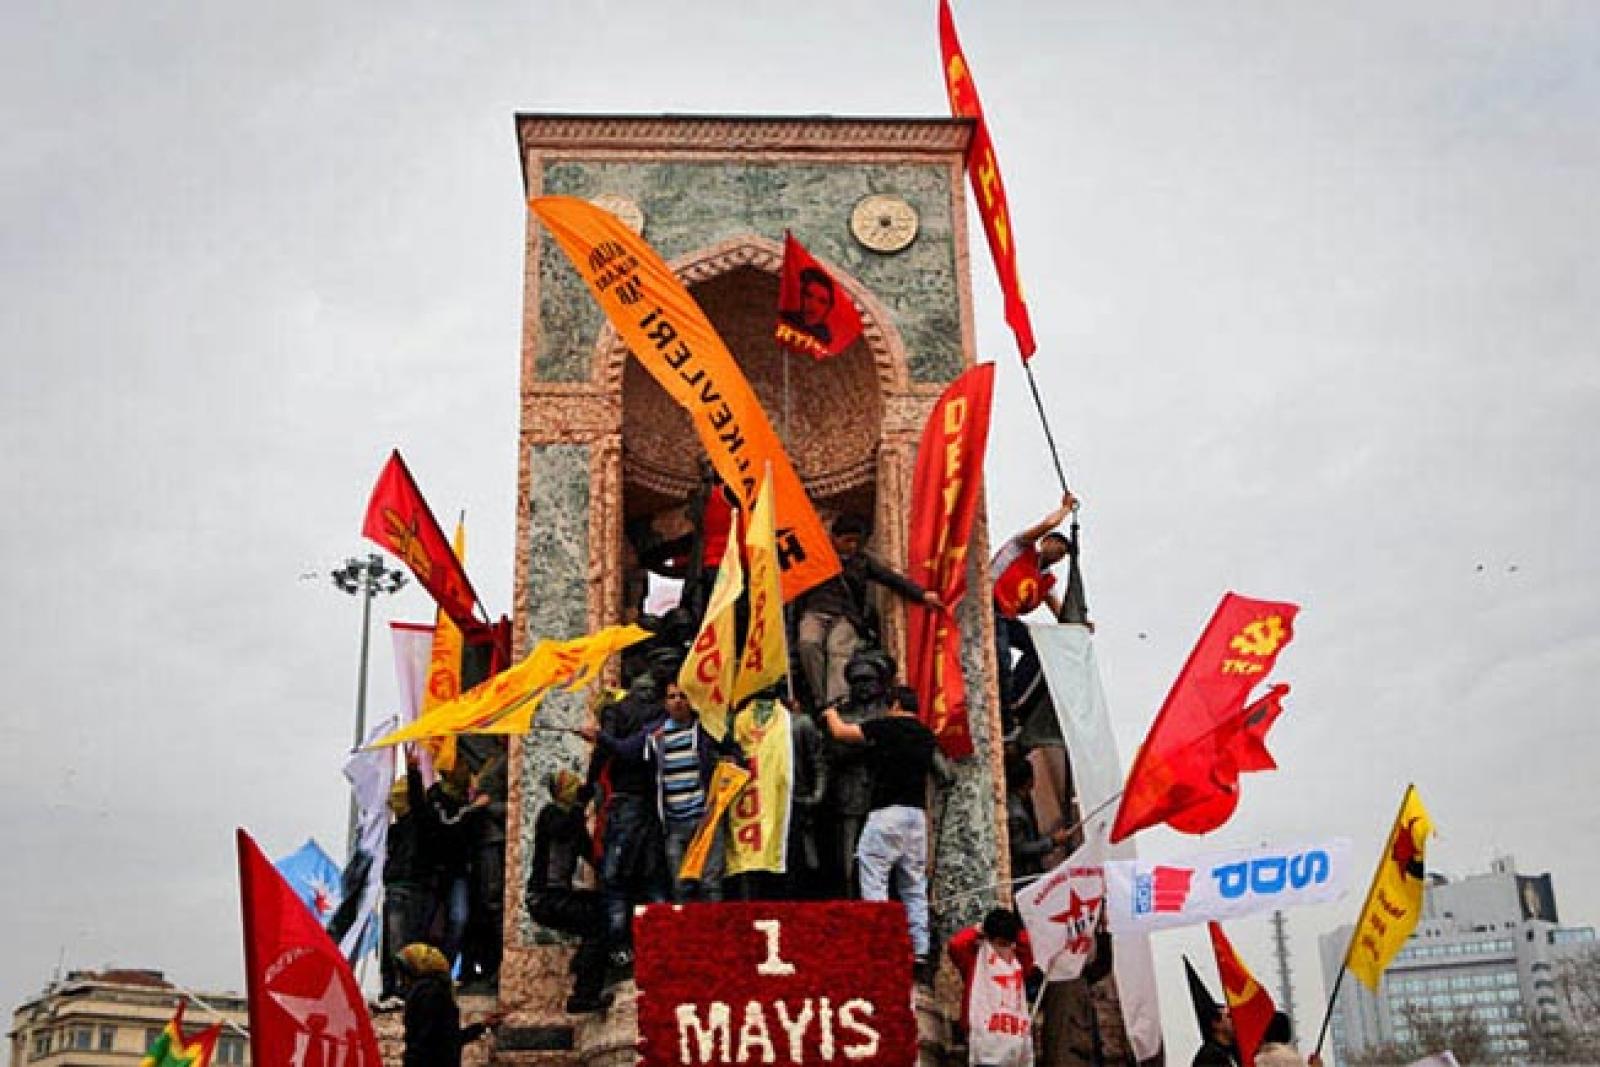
(305, 1005)
(983, 170)
(399, 519)
(944, 502)
(1249, 1005)
(1187, 771)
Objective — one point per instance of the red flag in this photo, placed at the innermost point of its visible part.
(983, 171)
(399, 520)
(944, 501)
(815, 315)
(305, 1005)
(1187, 771)
(1249, 1005)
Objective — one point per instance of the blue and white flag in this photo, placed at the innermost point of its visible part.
(314, 877)
(1147, 895)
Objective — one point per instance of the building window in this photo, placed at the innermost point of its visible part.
(108, 1038)
(150, 1035)
(81, 1037)
(230, 1050)
(41, 1044)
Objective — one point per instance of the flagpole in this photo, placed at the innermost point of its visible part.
(1044, 421)
(1327, 1016)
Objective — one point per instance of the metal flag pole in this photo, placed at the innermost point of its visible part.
(1044, 421)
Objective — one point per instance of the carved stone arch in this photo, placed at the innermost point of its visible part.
(832, 428)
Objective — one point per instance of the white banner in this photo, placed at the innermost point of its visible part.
(1066, 656)
(413, 652)
(1147, 895)
(371, 776)
(1062, 911)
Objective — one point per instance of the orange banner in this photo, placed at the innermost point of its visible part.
(944, 502)
(983, 170)
(672, 339)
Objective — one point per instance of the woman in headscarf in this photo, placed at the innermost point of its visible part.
(434, 1034)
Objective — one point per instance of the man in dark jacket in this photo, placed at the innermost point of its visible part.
(408, 875)
(560, 841)
(633, 860)
(834, 616)
(434, 1034)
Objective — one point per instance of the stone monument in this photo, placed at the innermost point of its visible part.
(883, 203)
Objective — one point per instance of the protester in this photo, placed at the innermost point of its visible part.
(485, 822)
(894, 842)
(994, 960)
(835, 617)
(633, 861)
(407, 877)
(850, 785)
(685, 756)
(560, 840)
(452, 857)
(1022, 581)
(1030, 849)
(434, 1035)
(1220, 1048)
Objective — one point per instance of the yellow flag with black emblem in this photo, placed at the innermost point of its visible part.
(712, 666)
(506, 703)
(1394, 902)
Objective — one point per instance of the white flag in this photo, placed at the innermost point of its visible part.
(1066, 656)
(1062, 911)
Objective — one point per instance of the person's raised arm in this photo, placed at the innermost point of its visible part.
(1050, 521)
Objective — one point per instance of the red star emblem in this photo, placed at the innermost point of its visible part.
(1078, 919)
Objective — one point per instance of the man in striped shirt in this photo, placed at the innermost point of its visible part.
(686, 755)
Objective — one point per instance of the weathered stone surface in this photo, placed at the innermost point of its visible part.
(693, 204)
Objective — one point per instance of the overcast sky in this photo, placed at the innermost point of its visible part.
(1317, 300)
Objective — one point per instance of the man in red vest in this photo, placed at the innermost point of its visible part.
(1022, 581)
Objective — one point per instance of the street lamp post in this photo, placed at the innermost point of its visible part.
(366, 578)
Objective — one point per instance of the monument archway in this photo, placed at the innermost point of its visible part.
(828, 413)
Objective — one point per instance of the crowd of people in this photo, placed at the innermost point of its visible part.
(616, 833)
(444, 874)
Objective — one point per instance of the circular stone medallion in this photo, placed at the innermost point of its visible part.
(884, 223)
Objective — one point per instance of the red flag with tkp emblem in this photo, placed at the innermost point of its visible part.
(399, 520)
(944, 501)
(1186, 773)
(305, 1005)
(815, 316)
(1249, 1005)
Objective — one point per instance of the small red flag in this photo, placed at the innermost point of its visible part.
(815, 315)
(399, 520)
(1186, 773)
(944, 501)
(305, 1005)
(983, 171)
(1249, 1005)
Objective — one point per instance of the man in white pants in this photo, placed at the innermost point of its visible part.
(895, 838)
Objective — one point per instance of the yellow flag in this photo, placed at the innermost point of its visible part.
(1394, 903)
(444, 669)
(758, 824)
(505, 704)
(708, 672)
(726, 782)
(766, 655)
